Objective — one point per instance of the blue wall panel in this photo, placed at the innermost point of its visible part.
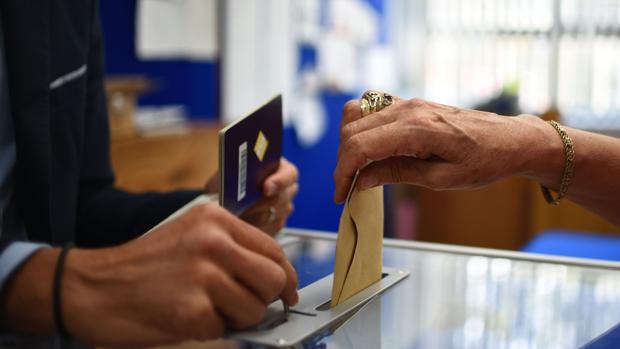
(314, 207)
(193, 84)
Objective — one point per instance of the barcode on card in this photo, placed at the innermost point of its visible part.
(243, 171)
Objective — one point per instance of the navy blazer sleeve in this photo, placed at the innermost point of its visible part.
(107, 215)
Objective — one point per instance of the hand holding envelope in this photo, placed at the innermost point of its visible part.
(360, 233)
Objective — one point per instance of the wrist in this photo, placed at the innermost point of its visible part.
(542, 152)
(83, 304)
(26, 301)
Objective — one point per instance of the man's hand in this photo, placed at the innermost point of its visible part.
(437, 146)
(271, 212)
(188, 279)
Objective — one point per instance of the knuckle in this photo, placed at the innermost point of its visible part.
(202, 332)
(206, 271)
(278, 254)
(216, 242)
(203, 209)
(212, 277)
(204, 310)
(254, 316)
(290, 207)
(352, 150)
(186, 315)
(276, 283)
(417, 103)
(437, 117)
(352, 144)
(355, 147)
(294, 171)
(347, 131)
(290, 193)
(206, 212)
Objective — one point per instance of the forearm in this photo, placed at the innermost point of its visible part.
(594, 184)
(26, 300)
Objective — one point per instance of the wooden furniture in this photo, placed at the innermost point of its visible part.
(504, 215)
(166, 162)
(495, 216)
(122, 96)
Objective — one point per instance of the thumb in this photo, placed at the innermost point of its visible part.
(432, 173)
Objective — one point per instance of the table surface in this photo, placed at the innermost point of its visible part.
(462, 297)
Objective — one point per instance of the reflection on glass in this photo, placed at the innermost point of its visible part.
(462, 301)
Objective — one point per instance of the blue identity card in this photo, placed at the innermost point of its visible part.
(249, 151)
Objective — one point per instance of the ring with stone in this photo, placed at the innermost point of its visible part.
(373, 101)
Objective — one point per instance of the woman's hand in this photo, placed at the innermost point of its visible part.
(440, 147)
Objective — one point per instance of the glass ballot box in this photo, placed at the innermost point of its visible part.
(461, 297)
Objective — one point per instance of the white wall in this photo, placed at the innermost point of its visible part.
(258, 54)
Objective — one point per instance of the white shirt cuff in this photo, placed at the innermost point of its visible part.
(13, 256)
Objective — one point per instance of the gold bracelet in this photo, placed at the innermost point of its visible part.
(569, 165)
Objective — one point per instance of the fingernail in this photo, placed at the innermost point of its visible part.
(368, 182)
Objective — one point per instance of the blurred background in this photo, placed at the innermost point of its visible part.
(178, 70)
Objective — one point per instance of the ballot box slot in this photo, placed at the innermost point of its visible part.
(313, 314)
(272, 324)
(328, 303)
(299, 312)
(325, 306)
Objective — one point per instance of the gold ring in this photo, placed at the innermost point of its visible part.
(373, 101)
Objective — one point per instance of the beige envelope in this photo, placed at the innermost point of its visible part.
(359, 244)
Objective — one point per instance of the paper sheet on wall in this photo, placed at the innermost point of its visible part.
(177, 29)
(359, 244)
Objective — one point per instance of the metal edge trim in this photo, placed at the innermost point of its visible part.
(463, 250)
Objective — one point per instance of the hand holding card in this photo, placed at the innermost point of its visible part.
(250, 151)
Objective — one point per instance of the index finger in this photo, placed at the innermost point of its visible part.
(350, 112)
(372, 145)
(352, 116)
(255, 240)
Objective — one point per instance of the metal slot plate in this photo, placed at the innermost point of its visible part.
(284, 330)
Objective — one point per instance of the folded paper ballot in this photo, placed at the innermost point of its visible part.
(359, 244)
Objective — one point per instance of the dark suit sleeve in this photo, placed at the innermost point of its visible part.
(107, 215)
